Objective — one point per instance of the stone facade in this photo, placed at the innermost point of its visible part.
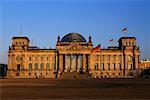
(72, 54)
(144, 64)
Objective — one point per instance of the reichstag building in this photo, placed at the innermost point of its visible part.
(73, 57)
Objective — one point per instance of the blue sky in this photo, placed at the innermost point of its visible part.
(43, 20)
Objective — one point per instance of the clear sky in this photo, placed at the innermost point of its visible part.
(43, 20)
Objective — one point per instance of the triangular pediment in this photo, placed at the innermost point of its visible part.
(74, 47)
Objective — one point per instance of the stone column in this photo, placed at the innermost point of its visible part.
(88, 62)
(69, 62)
(50, 62)
(74, 63)
(56, 63)
(84, 63)
(99, 62)
(136, 62)
(66, 63)
(61, 62)
(71, 65)
(9, 65)
(78, 62)
(126, 64)
(79, 67)
(122, 63)
(53, 62)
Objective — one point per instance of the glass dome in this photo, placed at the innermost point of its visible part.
(73, 37)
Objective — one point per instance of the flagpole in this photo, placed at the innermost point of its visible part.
(21, 31)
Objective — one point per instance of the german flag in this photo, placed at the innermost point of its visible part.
(96, 49)
(111, 40)
(125, 30)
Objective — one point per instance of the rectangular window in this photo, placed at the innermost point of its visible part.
(96, 66)
(108, 66)
(20, 43)
(120, 57)
(36, 58)
(30, 58)
(47, 58)
(102, 66)
(47, 66)
(119, 65)
(114, 66)
(18, 67)
(129, 66)
(41, 58)
(109, 57)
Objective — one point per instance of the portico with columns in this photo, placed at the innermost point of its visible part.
(73, 62)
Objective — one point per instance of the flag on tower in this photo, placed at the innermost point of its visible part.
(125, 30)
(111, 40)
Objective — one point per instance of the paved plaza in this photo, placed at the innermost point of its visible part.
(47, 89)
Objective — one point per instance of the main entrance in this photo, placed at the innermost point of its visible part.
(74, 62)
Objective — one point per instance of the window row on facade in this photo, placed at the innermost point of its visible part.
(113, 67)
(35, 58)
(113, 57)
(37, 66)
(102, 58)
(19, 43)
(41, 58)
(129, 43)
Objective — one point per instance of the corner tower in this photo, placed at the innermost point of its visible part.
(19, 43)
(131, 53)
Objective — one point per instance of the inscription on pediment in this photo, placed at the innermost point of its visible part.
(74, 48)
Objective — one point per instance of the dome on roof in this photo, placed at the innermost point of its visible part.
(73, 37)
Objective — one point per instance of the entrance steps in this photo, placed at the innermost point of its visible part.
(74, 75)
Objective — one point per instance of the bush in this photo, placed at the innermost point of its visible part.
(145, 73)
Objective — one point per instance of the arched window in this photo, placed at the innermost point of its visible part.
(35, 66)
(41, 66)
(47, 66)
(30, 66)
